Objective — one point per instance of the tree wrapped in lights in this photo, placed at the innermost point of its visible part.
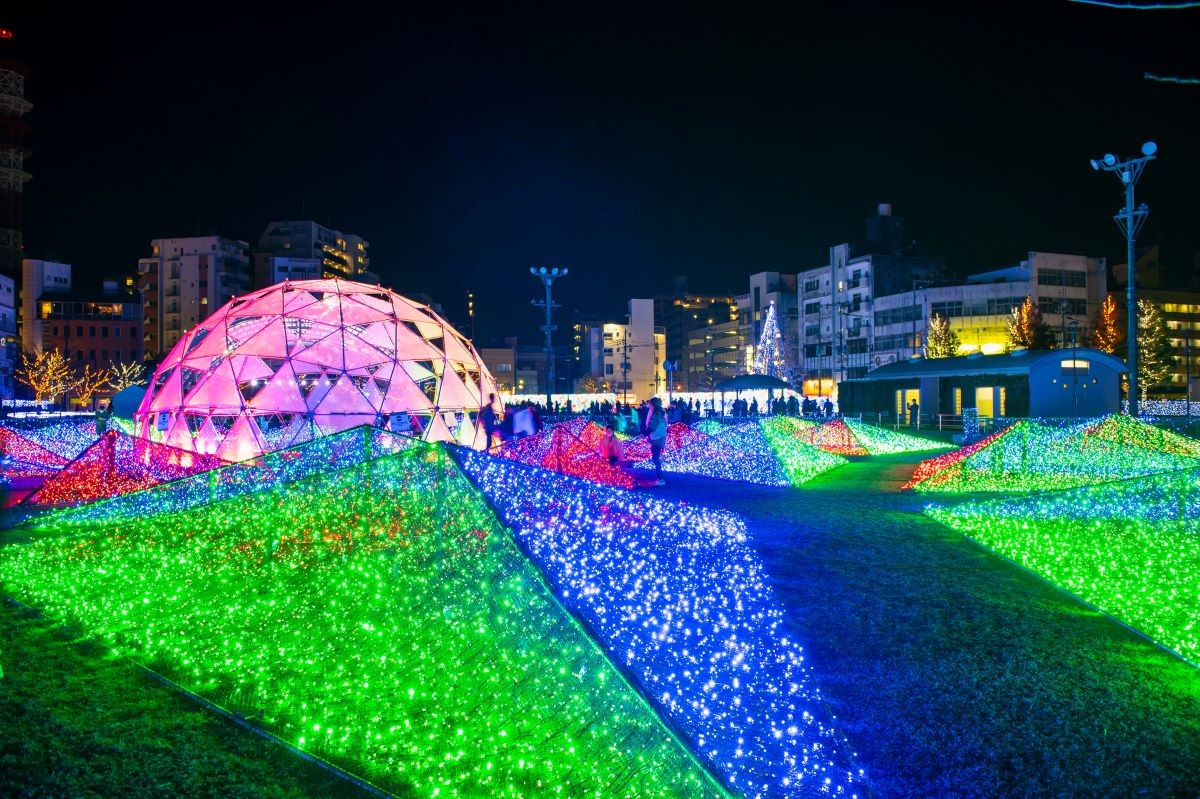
(46, 373)
(942, 342)
(124, 375)
(1108, 331)
(768, 357)
(86, 383)
(1026, 328)
(591, 384)
(1155, 358)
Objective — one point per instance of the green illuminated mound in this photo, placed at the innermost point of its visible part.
(801, 461)
(1035, 457)
(1130, 549)
(880, 441)
(340, 450)
(1135, 432)
(378, 617)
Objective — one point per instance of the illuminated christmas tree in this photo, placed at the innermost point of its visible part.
(768, 358)
(942, 341)
(1155, 358)
(1108, 333)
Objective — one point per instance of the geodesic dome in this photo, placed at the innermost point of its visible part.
(305, 358)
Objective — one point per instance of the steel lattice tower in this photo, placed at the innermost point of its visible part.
(13, 130)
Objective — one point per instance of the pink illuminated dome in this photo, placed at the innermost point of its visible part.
(308, 358)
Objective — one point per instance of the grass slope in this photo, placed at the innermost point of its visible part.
(377, 617)
(80, 723)
(953, 673)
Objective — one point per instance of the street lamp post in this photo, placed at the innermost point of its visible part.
(1074, 369)
(670, 367)
(1187, 383)
(712, 375)
(1130, 221)
(548, 276)
(625, 366)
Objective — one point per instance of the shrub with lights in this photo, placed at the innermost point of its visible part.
(1129, 548)
(683, 606)
(378, 617)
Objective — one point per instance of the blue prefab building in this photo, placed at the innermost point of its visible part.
(1064, 383)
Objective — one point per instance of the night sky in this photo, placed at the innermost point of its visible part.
(629, 145)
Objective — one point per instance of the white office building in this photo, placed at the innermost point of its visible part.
(630, 356)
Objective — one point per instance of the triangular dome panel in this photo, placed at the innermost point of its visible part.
(344, 397)
(170, 395)
(281, 395)
(241, 442)
(314, 355)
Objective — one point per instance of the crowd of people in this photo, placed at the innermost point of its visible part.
(648, 418)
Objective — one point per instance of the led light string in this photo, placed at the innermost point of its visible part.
(1036, 457)
(881, 441)
(24, 457)
(119, 464)
(338, 451)
(682, 604)
(1129, 548)
(377, 617)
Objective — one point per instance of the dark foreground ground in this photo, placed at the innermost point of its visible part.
(951, 672)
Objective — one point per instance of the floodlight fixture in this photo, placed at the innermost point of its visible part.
(1130, 220)
(548, 276)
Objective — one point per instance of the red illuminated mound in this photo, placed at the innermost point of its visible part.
(834, 436)
(571, 448)
(679, 436)
(119, 464)
(943, 466)
(27, 459)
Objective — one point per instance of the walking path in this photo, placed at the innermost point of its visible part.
(952, 672)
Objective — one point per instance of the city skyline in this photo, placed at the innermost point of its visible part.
(629, 150)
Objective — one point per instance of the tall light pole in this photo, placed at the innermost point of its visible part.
(670, 367)
(1130, 221)
(1187, 383)
(548, 276)
(1074, 369)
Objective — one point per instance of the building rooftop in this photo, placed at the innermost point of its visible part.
(1016, 362)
